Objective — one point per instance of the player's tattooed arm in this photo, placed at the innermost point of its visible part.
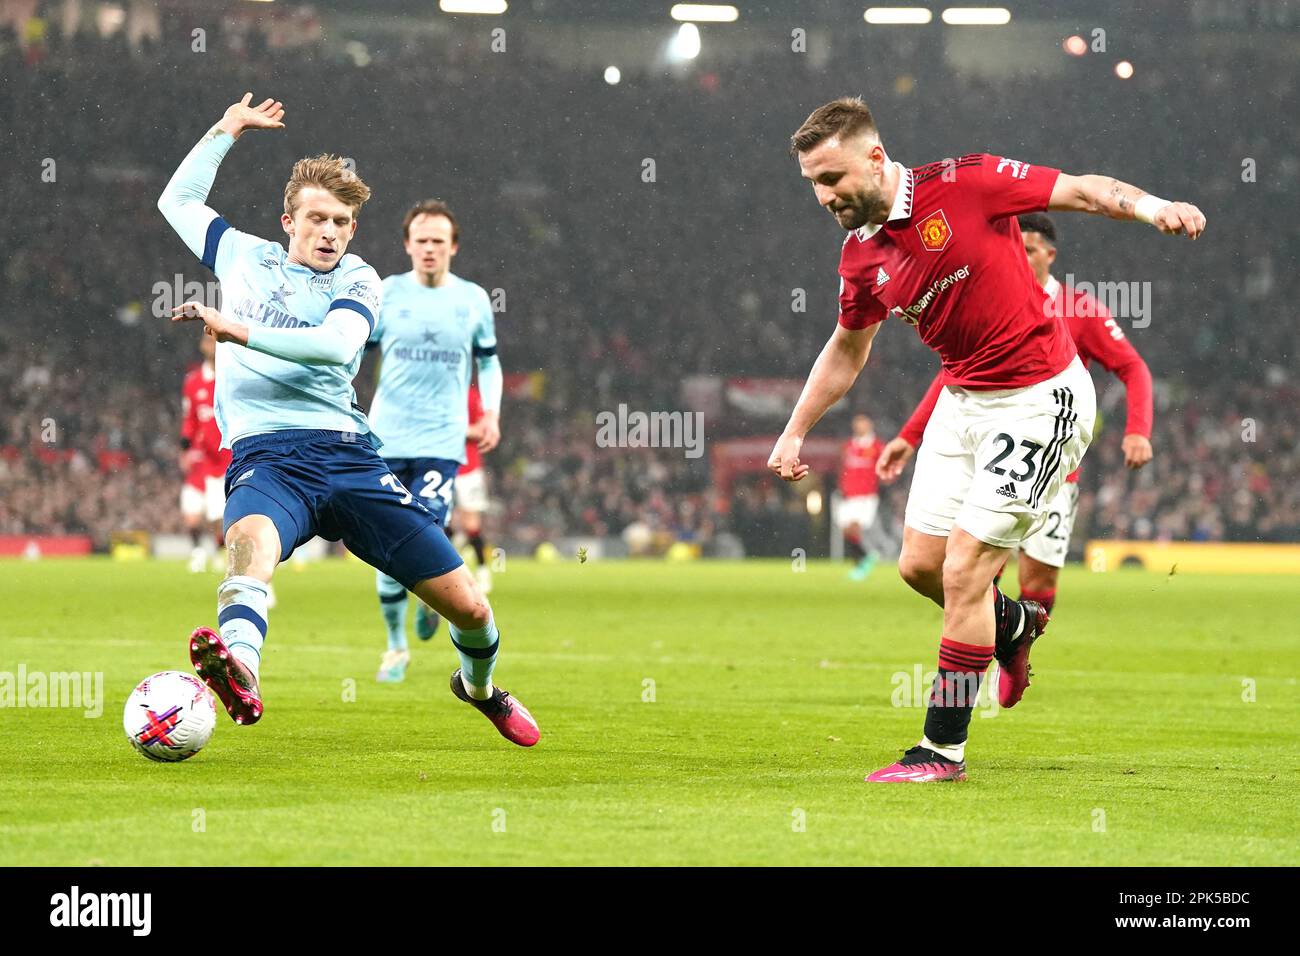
(1110, 197)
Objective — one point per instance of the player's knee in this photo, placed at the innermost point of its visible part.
(472, 613)
(248, 554)
(918, 573)
(960, 574)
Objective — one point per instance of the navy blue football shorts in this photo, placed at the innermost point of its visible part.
(334, 484)
(431, 480)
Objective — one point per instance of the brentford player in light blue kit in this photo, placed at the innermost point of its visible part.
(433, 329)
(304, 459)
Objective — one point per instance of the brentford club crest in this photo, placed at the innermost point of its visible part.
(935, 231)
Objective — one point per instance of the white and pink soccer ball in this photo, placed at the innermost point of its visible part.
(169, 716)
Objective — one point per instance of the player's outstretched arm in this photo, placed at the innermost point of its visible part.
(1104, 196)
(184, 200)
(832, 375)
(336, 341)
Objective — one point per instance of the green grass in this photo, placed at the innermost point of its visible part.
(772, 699)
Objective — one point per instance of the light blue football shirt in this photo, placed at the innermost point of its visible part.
(257, 392)
(428, 340)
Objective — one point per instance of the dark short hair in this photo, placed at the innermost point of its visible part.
(844, 117)
(430, 207)
(1039, 222)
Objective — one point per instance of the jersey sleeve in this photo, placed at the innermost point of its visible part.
(358, 289)
(914, 428)
(485, 334)
(1008, 187)
(859, 309)
(377, 330)
(1099, 338)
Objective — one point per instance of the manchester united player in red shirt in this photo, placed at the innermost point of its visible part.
(1098, 338)
(203, 461)
(859, 488)
(938, 247)
(471, 499)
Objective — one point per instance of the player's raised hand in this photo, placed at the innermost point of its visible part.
(893, 459)
(784, 460)
(1180, 218)
(243, 115)
(1137, 451)
(217, 325)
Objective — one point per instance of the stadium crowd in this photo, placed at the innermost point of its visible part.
(620, 277)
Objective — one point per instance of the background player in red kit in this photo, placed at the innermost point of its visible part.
(938, 247)
(203, 461)
(859, 491)
(471, 499)
(1098, 338)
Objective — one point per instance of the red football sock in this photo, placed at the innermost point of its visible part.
(1045, 598)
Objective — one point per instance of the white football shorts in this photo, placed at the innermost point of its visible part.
(992, 462)
(471, 491)
(210, 501)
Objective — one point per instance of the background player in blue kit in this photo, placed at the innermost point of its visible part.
(432, 328)
(304, 461)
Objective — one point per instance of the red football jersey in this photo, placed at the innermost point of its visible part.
(1098, 338)
(950, 261)
(199, 425)
(473, 458)
(858, 467)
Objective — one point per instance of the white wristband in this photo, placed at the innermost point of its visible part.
(1146, 208)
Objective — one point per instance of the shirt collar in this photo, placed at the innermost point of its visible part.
(902, 207)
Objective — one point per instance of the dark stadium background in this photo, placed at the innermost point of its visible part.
(618, 290)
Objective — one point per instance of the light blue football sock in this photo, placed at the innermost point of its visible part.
(241, 618)
(478, 651)
(392, 604)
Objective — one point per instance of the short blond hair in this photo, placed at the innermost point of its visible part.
(331, 173)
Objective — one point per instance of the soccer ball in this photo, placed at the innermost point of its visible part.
(169, 716)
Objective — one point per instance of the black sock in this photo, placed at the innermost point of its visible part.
(1008, 617)
(476, 540)
(956, 686)
(854, 548)
(196, 537)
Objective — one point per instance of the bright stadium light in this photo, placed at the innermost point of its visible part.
(612, 75)
(976, 16)
(704, 12)
(472, 6)
(1124, 69)
(686, 45)
(814, 502)
(1075, 45)
(894, 15)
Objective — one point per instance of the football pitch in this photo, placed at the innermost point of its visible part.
(696, 713)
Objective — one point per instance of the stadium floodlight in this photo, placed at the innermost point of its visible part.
(612, 75)
(472, 6)
(1124, 69)
(1075, 45)
(704, 12)
(977, 16)
(897, 15)
(686, 44)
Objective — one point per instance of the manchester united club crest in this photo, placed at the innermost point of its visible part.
(935, 232)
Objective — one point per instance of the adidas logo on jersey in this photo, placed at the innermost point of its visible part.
(1009, 490)
(881, 277)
